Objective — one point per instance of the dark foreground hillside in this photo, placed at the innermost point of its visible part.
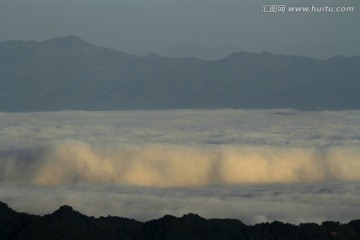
(68, 224)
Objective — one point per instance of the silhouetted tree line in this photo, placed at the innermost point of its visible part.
(68, 224)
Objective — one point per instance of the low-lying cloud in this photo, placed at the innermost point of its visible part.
(254, 165)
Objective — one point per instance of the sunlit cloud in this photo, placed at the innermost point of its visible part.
(160, 165)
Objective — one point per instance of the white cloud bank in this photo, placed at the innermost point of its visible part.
(254, 165)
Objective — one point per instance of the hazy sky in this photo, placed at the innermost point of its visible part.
(205, 28)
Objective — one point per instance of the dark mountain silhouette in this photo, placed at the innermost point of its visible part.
(69, 73)
(68, 224)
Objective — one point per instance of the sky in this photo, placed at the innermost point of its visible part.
(252, 165)
(209, 29)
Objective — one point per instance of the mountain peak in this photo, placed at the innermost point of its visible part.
(153, 55)
(241, 54)
(66, 42)
(65, 209)
(69, 38)
(192, 215)
(267, 53)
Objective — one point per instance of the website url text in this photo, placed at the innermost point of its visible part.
(276, 8)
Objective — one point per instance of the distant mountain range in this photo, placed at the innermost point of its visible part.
(69, 73)
(68, 224)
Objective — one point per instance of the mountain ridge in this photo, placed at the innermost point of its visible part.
(67, 223)
(68, 73)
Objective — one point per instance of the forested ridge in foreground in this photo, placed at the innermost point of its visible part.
(66, 223)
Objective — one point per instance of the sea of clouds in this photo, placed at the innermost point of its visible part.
(254, 165)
